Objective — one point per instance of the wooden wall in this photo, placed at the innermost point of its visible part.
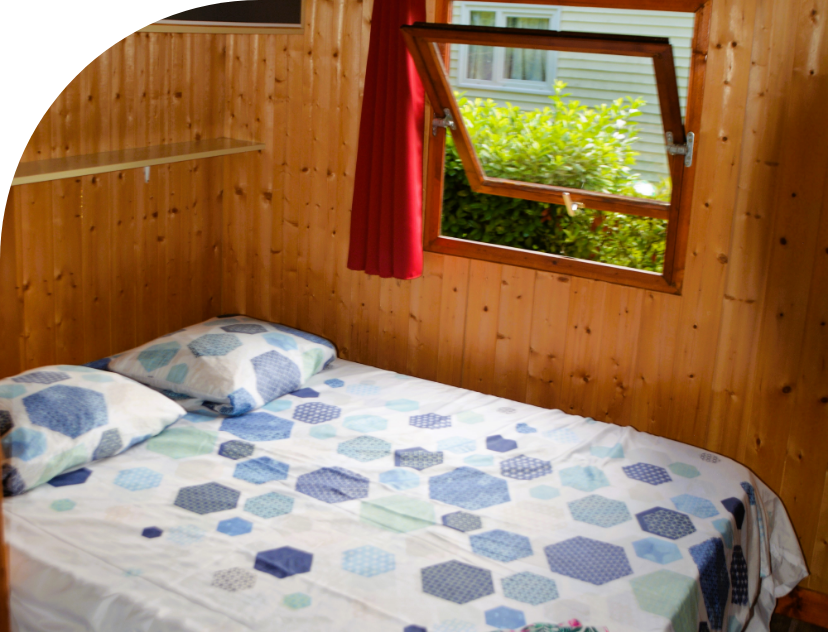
(98, 264)
(738, 363)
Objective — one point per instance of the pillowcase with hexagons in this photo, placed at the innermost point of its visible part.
(227, 365)
(55, 418)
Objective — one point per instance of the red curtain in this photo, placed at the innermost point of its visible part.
(386, 219)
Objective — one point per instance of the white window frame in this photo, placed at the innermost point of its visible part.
(499, 83)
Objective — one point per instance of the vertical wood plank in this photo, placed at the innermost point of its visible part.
(452, 315)
(584, 331)
(547, 347)
(514, 328)
(483, 315)
(11, 305)
(35, 245)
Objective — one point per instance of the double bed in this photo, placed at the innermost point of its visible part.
(369, 501)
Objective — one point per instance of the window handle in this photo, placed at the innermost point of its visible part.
(447, 122)
(571, 207)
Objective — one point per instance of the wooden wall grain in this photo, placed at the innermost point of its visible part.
(738, 363)
(99, 264)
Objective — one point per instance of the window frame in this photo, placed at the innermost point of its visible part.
(678, 215)
(523, 86)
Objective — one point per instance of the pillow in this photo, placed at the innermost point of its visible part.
(227, 365)
(55, 418)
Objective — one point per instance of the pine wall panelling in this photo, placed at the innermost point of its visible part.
(736, 364)
(95, 265)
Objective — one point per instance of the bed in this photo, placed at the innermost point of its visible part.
(374, 502)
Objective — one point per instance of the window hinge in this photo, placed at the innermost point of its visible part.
(685, 150)
(446, 122)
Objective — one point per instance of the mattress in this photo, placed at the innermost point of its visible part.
(374, 502)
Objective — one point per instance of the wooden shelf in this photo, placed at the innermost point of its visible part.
(108, 161)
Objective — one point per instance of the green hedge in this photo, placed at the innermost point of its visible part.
(565, 144)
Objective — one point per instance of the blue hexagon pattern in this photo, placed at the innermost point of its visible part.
(525, 468)
(469, 488)
(585, 478)
(76, 477)
(275, 375)
(665, 522)
(501, 545)
(457, 582)
(457, 445)
(368, 561)
(69, 410)
(544, 492)
(505, 618)
(138, 478)
(365, 423)
(684, 470)
(109, 445)
(234, 526)
(417, 458)
(400, 479)
(269, 505)
(207, 498)
(432, 421)
(656, 550)
(258, 427)
(335, 383)
(463, 521)
(364, 448)
(523, 428)
(236, 449)
(600, 511)
(496, 443)
(402, 405)
(283, 562)
(695, 506)
(316, 413)
(158, 356)
(709, 557)
(530, 588)
(41, 377)
(152, 532)
(214, 345)
(647, 473)
(325, 431)
(305, 393)
(333, 485)
(281, 341)
(261, 470)
(588, 560)
(24, 443)
(244, 329)
(6, 422)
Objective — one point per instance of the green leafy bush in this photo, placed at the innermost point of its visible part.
(564, 144)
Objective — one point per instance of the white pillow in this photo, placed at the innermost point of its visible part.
(227, 365)
(55, 418)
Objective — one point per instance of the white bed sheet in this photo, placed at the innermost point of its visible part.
(562, 535)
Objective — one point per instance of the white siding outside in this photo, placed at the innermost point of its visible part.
(596, 79)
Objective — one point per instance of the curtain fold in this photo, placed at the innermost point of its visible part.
(386, 218)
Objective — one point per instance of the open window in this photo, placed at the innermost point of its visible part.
(560, 160)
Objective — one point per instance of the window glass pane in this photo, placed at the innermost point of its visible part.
(481, 58)
(525, 65)
(598, 127)
(624, 240)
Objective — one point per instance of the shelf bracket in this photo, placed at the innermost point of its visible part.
(146, 173)
(685, 150)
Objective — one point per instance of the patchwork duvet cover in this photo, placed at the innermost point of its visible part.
(368, 501)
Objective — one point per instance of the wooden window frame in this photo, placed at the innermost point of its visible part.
(425, 40)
